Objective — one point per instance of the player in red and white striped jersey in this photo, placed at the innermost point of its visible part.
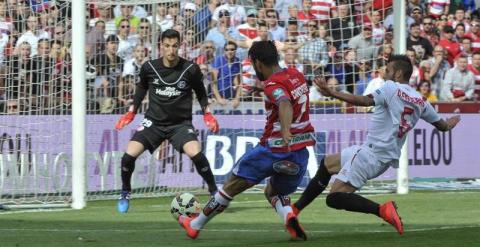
(281, 155)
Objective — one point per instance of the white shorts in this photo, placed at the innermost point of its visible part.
(359, 164)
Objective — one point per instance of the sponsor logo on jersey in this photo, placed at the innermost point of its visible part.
(278, 93)
(182, 84)
(378, 91)
(299, 91)
(296, 139)
(168, 91)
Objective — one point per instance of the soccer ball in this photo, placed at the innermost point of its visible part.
(185, 204)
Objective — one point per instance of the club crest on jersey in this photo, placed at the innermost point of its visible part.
(182, 84)
(278, 93)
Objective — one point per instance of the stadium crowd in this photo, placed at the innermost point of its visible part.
(348, 41)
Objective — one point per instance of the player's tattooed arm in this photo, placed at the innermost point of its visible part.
(357, 100)
(448, 124)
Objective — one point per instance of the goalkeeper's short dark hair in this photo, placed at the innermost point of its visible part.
(170, 34)
(265, 52)
(403, 63)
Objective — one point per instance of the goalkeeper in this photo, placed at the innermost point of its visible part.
(169, 81)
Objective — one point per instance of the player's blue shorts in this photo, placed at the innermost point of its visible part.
(285, 169)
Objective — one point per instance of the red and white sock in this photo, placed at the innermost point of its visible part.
(216, 205)
(282, 206)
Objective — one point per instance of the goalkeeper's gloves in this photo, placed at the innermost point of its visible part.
(124, 120)
(211, 122)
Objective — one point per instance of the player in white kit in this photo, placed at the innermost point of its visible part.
(398, 107)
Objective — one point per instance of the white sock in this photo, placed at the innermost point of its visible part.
(282, 206)
(215, 206)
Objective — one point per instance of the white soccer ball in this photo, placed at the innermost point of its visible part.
(185, 204)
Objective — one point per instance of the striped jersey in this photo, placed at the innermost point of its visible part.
(321, 9)
(287, 84)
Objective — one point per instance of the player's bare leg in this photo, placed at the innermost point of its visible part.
(193, 149)
(232, 187)
(134, 149)
(329, 166)
(281, 204)
(341, 196)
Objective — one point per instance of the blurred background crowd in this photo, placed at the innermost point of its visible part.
(348, 41)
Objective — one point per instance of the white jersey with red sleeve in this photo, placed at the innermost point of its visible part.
(398, 107)
(287, 84)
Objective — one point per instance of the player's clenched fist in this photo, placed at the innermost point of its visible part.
(124, 120)
(211, 122)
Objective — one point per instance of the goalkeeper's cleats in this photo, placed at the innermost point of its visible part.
(185, 221)
(388, 212)
(123, 202)
(295, 210)
(294, 228)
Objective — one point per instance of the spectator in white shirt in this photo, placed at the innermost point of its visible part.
(459, 82)
(32, 35)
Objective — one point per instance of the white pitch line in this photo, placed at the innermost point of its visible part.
(451, 227)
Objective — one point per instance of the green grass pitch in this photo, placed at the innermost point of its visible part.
(434, 219)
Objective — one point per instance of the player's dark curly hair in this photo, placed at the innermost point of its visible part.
(403, 63)
(265, 52)
(170, 34)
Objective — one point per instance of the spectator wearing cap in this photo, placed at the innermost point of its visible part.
(277, 32)
(223, 32)
(237, 13)
(428, 31)
(422, 46)
(436, 8)
(188, 12)
(281, 6)
(342, 28)
(412, 4)
(475, 69)
(451, 46)
(474, 35)
(249, 29)
(417, 15)
(363, 44)
(459, 83)
(126, 13)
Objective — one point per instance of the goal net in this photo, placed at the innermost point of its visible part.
(347, 43)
